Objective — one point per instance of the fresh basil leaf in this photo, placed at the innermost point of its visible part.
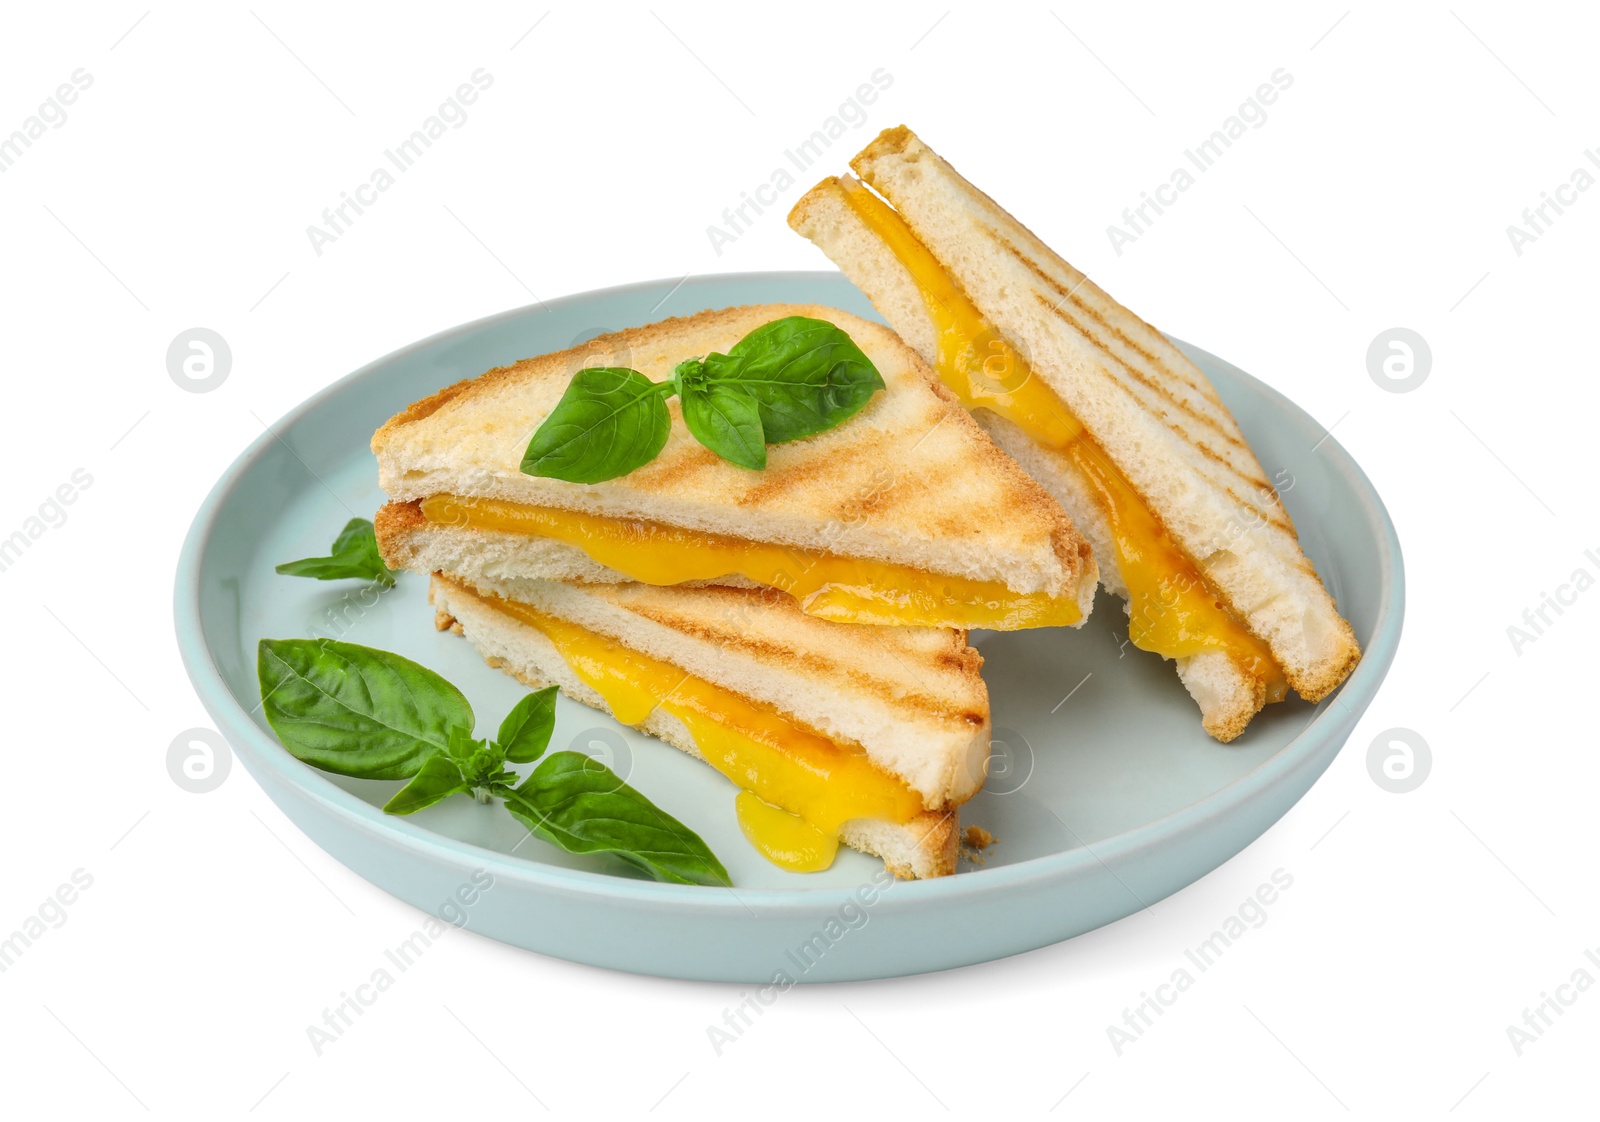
(806, 376)
(525, 733)
(577, 803)
(438, 780)
(609, 421)
(726, 420)
(354, 710)
(354, 554)
(357, 534)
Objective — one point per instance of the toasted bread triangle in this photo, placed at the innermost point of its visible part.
(910, 480)
(1148, 406)
(909, 698)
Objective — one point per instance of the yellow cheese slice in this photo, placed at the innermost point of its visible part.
(840, 589)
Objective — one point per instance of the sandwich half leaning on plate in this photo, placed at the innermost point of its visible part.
(906, 514)
(1113, 419)
(870, 736)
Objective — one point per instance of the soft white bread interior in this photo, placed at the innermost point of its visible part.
(909, 480)
(909, 698)
(1153, 412)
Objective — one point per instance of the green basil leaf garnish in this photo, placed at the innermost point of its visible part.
(354, 554)
(609, 421)
(354, 710)
(525, 733)
(578, 803)
(806, 376)
(788, 379)
(374, 715)
(726, 420)
(439, 778)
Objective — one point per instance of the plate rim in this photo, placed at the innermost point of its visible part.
(247, 739)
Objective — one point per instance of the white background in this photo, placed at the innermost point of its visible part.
(1377, 194)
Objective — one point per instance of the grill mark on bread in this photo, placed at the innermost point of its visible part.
(1274, 516)
(964, 660)
(1153, 384)
(1210, 454)
(1071, 548)
(959, 711)
(1271, 511)
(687, 460)
(1161, 369)
(808, 472)
(780, 652)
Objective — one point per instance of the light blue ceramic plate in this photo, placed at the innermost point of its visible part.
(1100, 804)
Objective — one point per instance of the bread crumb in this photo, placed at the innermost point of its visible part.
(974, 840)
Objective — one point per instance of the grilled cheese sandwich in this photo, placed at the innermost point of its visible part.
(863, 735)
(906, 515)
(1244, 620)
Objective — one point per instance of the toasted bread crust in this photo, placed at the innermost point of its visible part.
(392, 522)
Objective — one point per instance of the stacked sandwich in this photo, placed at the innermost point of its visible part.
(798, 617)
(801, 628)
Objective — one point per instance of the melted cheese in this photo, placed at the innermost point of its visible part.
(840, 589)
(1172, 609)
(799, 788)
(785, 839)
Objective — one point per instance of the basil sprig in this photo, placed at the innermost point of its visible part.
(788, 379)
(371, 714)
(354, 554)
